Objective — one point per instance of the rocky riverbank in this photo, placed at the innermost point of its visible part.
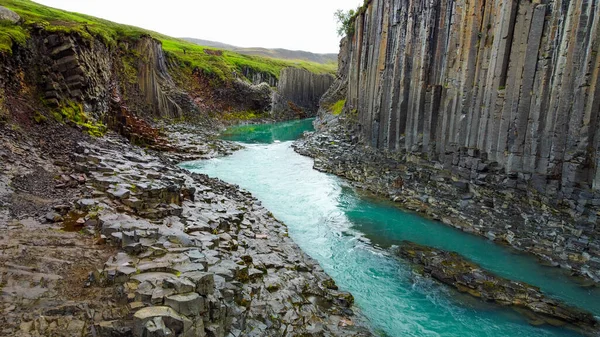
(467, 277)
(479, 205)
(126, 243)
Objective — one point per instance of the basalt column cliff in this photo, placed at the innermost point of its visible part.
(475, 82)
(481, 114)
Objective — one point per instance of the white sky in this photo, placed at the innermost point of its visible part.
(299, 25)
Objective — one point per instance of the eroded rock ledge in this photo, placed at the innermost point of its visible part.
(193, 256)
(465, 276)
(201, 255)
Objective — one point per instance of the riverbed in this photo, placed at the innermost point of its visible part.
(351, 234)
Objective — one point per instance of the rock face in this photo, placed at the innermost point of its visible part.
(257, 77)
(75, 71)
(471, 83)
(339, 88)
(154, 79)
(490, 127)
(452, 269)
(298, 93)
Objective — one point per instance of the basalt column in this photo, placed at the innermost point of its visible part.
(469, 83)
(298, 93)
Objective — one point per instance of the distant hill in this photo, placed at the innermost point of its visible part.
(278, 53)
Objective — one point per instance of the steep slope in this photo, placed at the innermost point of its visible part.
(298, 93)
(277, 53)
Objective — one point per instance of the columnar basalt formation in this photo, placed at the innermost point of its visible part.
(482, 115)
(154, 79)
(470, 83)
(298, 93)
(468, 277)
(72, 70)
(258, 77)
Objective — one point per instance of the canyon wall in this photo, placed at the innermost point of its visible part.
(298, 93)
(257, 77)
(481, 83)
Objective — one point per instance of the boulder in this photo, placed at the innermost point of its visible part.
(160, 321)
(190, 304)
(8, 15)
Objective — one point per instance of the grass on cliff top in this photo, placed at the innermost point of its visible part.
(9, 34)
(212, 61)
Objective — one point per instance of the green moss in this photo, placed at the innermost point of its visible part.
(39, 118)
(10, 34)
(272, 288)
(337, 107)
(130, 68)
(74, 112)
(242, 115)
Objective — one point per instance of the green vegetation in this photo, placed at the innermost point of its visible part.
(223, 65)
(337, 107)
(74, 112)
(39, 118)
(9, 34)
(347, 19)
(242, 115)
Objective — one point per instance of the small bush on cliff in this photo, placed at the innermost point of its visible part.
(345, 22)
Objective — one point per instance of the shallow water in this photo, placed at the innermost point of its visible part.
(350, 235)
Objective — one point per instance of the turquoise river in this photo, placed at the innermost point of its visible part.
(351, 235)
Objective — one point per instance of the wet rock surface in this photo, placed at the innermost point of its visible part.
(118, 241)
(465, 276)
(199, 255)
(481, 205)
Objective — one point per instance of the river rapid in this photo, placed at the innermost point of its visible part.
(351, 235)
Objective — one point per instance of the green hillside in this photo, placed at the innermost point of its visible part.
(220, 64)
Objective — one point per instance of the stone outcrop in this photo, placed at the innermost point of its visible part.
(8, 15)
(339, 88)
(471, 83)
(467, 277)
(75, 71)
(298, 93)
